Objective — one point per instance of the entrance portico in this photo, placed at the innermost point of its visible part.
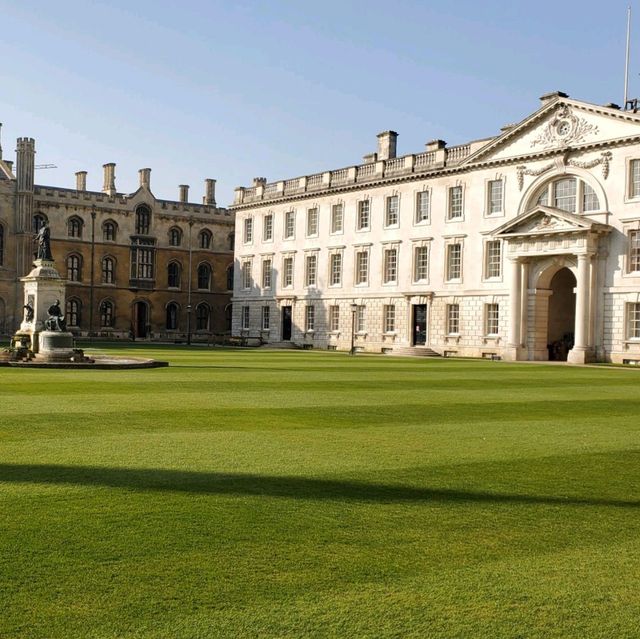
(539, 244)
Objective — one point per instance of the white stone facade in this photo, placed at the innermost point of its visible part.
(522, 246)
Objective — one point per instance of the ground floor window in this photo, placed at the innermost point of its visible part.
(492, 318)
(310, 317)
(453, 319)
(203, 316)
(245, 318)
(73, 312)
(334, 318)
(266, 318)
(633, 320)
(172, 317)
(389, 318)
(107, 314)
(361, 324)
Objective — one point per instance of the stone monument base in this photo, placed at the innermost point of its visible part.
(55, 346)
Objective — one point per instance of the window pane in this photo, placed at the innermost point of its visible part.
(565, 195)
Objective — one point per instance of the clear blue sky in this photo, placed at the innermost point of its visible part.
(238, 89)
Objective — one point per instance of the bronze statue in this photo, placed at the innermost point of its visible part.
(43, 238)
(56, 320)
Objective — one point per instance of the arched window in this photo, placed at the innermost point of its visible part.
(108, 270)
(109, 230)
(74, 268)
(204, 276)
(172, 317)
(204, 239)
(230, 277)
(173, 275)
(74, 227)
(203, 315)
(569, 194)
(143, 220)
(231, 241)
(175, 236)
(73, 311)
(1, 245)
(38, 221)
(107, 314)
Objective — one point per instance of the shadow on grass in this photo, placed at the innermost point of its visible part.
(156, 479)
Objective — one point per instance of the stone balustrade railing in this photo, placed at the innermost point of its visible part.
(352, 175)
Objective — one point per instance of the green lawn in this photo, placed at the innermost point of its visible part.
(243, 493)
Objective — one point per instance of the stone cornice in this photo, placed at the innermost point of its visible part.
(438, 172)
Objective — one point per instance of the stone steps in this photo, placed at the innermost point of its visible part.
(414, 351)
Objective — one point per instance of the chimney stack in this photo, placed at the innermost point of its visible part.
(109, 186)
(387, 145)
(184, 193)
(145, 178)
(209, 192)
(25, 165)
(259, 181)
(81, 180)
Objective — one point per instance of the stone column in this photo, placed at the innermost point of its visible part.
(515, 306)
(524, 306)
(579, 352)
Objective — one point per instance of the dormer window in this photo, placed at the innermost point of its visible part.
(569, 194)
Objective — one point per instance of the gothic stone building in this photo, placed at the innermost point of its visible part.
(524, 246)
(135, 265)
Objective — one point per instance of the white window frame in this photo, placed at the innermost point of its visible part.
(447, 261)
(337, 213)
(389, 319)
(245, 318)
(390, 265)
(334, 318)
(311, 269)
(388, 210)
(311, 213)
(450, 203)
(492, 319)
(417, 221)
(632, 321)
(632, 191)
(267, 228)
(267, 270)
(633, 252)
(452, 318)
(266, 318)
(335, 282)
(489, 263)
(289, 231)
(363, 208)
(247, 279)
(309, 318)
(491, 201)
(288, 261)
(358, 270)
(414, 267)
(248, 230)
(361, 319)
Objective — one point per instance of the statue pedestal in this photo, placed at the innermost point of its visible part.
(54, 346)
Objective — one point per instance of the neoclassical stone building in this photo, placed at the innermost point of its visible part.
(135, 265)
(524, 246)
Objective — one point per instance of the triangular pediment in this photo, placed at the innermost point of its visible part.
(559, 125)
(544, 220)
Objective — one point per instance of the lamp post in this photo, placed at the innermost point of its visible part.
(354, 308)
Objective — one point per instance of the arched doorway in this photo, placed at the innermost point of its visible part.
(141, 320)
(561, 315)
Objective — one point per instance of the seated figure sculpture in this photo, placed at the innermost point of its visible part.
(56, 320)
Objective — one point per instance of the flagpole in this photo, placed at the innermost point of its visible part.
(626, 65)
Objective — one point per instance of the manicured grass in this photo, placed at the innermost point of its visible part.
(244, 493)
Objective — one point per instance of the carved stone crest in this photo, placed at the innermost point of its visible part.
(564, 128)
